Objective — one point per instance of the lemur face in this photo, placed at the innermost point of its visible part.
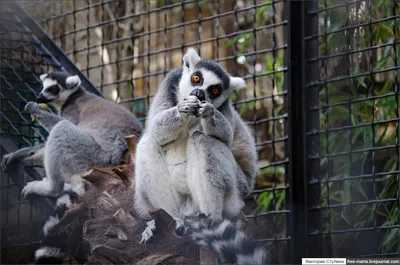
(57, 87)
(207, 80)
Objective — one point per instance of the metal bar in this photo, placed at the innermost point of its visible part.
(297, 138)
(51, 47)
(311, 120)
(300, 120)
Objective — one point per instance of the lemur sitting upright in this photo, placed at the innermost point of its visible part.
(197, 160)
(89, 131)
(196, 154)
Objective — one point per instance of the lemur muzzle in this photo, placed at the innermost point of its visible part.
(199, 93)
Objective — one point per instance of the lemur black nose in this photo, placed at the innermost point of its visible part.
(199, 93)
(41, 99)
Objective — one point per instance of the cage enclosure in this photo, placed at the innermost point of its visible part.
(322, 101)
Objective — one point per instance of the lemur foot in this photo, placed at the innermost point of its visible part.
(148, 232)
(31, 188)
(39, 187)
(179, 227)
(151, 226)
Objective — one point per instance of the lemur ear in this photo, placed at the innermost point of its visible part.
(72, 81)
(236, 83)
(43, 77)
(191, 58)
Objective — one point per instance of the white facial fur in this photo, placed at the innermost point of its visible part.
(190, 59)
(47, 82)
(71, 82)
(186, 87)
(43, 77)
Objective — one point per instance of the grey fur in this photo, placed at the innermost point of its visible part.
(194, 157)
(89, 131)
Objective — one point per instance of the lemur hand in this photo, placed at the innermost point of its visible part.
(189, 106)
(206, 110)
(32, 107)
(6, 160)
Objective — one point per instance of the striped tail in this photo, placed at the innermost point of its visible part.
(230, 243)
(52, 248)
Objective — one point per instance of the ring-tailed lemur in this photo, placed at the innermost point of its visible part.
(196, 154)
(89, 131)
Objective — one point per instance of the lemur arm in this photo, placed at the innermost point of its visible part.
(46, 119)
(34, 153)
(168, 125)
(218, 126)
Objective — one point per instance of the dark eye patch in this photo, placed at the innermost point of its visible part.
(214, 91)
(53, 89)
(201, 79)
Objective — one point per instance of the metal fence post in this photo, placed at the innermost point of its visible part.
(301, 171)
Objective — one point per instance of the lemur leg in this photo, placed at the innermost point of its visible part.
(211, 173)
(69, 152)
(46, 119)
(35, 154)
(151, 167)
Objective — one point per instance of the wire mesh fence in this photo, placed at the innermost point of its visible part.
(22, 60)
(322, 100)
(127, 47)
(358, 111)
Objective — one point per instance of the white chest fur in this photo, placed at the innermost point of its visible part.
(176, 158)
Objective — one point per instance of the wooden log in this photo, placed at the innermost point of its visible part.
(165, 223)
(101, 178)
(208, 257)
(132, 141)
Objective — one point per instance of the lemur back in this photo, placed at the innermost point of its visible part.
(196, 154)
(88, 131)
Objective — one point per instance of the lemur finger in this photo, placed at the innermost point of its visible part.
(7, 159)
(188, 107)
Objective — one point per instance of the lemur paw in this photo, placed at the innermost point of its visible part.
(206, 110)
(31, 188)
(179, 227)
(32, 107)
(5, 161)
(189, 106)
(148, 232)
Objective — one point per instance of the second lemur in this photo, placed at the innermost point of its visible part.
(196, 154)
(88, 131)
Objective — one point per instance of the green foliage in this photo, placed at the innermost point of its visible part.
(363, 100)
(373, 106)
(274, 199)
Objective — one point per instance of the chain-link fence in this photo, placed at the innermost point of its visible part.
(322, 100)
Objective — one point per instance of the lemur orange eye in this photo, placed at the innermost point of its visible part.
(215, 91)
(196, 78)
